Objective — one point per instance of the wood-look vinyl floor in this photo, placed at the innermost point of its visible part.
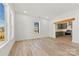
(61, 46)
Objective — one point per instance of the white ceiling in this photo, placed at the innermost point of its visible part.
(45, 9)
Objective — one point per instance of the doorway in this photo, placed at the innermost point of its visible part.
(64, 28)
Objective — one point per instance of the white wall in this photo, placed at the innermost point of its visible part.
(24, 27)
(43, 27)
(9, 41)
(75, 14)
(52, 28)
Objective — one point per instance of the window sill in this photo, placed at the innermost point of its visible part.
(3, 43)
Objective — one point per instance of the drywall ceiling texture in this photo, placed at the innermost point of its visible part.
(45, 9)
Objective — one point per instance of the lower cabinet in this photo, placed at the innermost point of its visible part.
(58, 34)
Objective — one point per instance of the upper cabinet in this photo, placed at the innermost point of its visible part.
(65, 24)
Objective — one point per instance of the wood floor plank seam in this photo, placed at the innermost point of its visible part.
(61, 46)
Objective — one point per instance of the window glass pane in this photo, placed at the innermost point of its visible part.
(2, 23)
(36, 27)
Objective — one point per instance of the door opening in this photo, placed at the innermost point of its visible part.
(64, 28)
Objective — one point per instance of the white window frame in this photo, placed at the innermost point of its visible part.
(8, 30)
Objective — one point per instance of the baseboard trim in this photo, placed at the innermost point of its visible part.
(75, 41)
(35, 38)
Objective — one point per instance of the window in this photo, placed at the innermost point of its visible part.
(2, 22)
(62, 26)
(6, 23)
(36, 27)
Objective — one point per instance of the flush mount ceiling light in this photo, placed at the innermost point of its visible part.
(25, 11)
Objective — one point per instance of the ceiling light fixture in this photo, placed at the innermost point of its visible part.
(25, 11)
